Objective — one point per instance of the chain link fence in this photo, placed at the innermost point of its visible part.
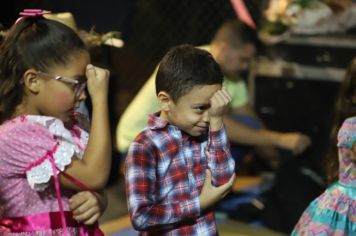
(154, 26)
(148, 27)
(157, 25)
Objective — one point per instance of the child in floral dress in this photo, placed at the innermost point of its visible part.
(334, 212)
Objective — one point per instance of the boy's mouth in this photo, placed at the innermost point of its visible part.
(203, 127)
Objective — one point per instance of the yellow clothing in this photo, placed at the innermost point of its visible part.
(134, 118)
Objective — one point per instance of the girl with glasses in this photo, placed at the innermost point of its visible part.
(45, 156)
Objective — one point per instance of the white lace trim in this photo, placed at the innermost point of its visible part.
(38, 176)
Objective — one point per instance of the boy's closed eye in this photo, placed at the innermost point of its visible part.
(202, 108)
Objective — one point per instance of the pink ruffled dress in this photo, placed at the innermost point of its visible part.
(34, 150)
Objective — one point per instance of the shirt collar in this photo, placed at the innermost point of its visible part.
(155, 122)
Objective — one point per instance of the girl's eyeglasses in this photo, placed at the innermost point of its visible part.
(79, 84)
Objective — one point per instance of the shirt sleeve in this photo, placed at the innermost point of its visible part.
(24, 145)
(144, 210)
(219, 158)
(347, 133)
(27, 149)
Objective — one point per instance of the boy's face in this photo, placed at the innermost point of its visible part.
(190, 112)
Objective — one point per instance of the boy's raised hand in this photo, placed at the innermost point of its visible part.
(98, 83)
(218, 104)
(210, 194)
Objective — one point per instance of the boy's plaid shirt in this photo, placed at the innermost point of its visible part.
(165, 172)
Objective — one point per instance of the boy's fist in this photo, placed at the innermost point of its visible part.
(218, 104)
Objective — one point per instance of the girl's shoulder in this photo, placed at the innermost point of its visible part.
(26, 142)
(348, 124)
(54, 125)
(30, 119)
(21, 123)
(25, 129)
(347, 133)
(44, 125)
(350, 120)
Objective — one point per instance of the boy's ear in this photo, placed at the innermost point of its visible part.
(31, 80)
(164, 100)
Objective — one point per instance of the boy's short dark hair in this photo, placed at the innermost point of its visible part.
(185, 67)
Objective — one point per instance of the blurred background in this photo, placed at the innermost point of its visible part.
(293, 83)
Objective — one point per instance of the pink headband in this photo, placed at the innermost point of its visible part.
(33, 13)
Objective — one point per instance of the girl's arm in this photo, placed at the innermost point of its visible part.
(93, 170)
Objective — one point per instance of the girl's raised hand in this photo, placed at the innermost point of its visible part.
(98, 82)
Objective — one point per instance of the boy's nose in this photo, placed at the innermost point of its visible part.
(206, 117)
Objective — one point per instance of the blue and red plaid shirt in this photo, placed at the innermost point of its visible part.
(165, 172)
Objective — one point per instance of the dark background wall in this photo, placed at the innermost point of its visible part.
(148, 27)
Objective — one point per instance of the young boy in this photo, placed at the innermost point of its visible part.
(180, 165)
